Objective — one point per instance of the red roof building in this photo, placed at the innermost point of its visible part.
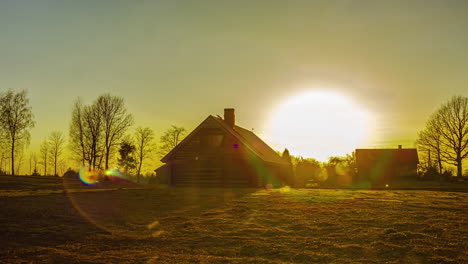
(380, 167)
(219, 153)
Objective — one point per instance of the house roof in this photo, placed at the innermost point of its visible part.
(399, 155)
(244, 136)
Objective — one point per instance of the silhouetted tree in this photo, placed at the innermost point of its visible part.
(77, 133)
(350, 163)
(20, 158)
(341, 170)
(97, 128)
(286, 156)
(450, 121)
(16, 119)
(144, 146)
(115, 121)
(56, 144)
(170, 139)
(4, 156)
(430, 140)
(306, 170)
(44, 151)
(126, 160)
(33, 160)
(331, 168)
(93, 133)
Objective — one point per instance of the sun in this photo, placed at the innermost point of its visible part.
(319, 124)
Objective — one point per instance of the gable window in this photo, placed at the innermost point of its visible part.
(212, 140)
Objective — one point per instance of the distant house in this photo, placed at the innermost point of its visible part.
(220, 153)
(383, 166)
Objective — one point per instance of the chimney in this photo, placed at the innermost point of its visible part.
(399, 146)
(229, 117)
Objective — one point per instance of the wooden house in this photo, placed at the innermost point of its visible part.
(381, 167)
(218, 153)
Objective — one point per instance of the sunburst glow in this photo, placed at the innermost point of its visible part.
(319, 124)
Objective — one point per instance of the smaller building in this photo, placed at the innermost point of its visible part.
(380, 167)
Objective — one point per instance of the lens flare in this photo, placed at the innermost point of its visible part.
(115, 173)
(88, 176)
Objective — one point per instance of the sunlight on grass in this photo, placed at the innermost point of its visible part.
(285, 225)
(153, 225)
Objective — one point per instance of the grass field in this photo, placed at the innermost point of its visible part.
(44, 222)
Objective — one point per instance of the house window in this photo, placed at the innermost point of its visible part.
(212, 140)
(215, 140)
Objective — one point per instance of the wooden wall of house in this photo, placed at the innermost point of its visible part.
(381, 176)
(406, 171)
(212, 157)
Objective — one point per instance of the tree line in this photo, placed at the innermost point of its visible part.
(336, 171)
(100, 130)
(97, 133)
(444, 139)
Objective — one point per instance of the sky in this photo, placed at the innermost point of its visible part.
(176, 62)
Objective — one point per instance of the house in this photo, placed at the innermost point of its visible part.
(381, 167)
(218, 153)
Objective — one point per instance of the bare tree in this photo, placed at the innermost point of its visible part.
(451, 123)
(143, 146)
(77, 133)
(430, 140)
(30, 162)
(97, 128)
(170, 139)
(93, 132)
(56, 146)
(20, 156)
(44, 152)
(33, 160)
(115, 122)
(4, 156)
(16, 118)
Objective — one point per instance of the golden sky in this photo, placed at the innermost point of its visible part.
(175, 62)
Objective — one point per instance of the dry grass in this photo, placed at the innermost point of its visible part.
(183, 225)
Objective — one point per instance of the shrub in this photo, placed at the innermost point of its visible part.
(431, 174)
(70, 174)
(306, 170)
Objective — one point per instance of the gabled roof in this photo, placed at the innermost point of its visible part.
(245, 137)
(252, 141)
(399, 155)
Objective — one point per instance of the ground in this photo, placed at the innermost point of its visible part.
(44, 221)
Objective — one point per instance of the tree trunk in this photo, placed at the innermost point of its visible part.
(55, 166)
(459, 167)
(13, 158)
(93, 157)
(83, 158)
(439, 160)
(107, 158)
(139, 170)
